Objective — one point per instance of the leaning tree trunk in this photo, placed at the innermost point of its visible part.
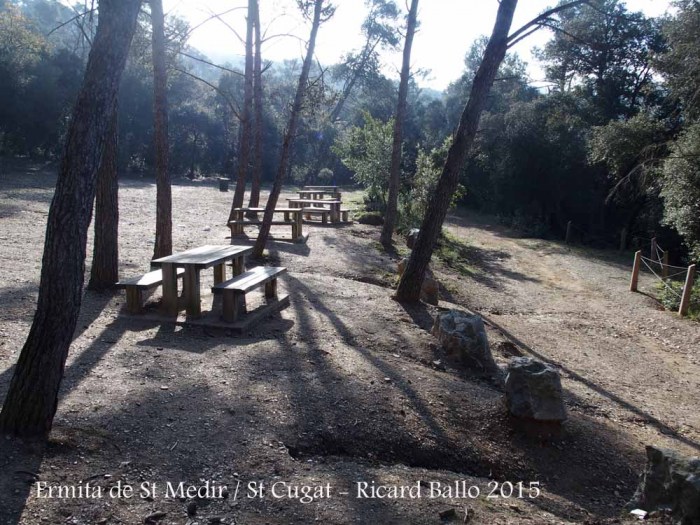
(244, 145)
(105, 255)
(412, 278)
(164, 199)
(33, 394)
(289, 135)
(258, 112)
(395, 170)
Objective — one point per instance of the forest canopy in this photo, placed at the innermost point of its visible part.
(610, 142)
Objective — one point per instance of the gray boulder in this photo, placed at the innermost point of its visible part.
(411, 237)
(669, 481)
(533, 391)
(430, 291)
(463, 335)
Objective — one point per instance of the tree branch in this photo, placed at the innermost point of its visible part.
(542, 18)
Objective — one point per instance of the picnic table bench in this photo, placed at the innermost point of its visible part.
(292, 217)
(316, 206)
(234, 290)
(136, 286)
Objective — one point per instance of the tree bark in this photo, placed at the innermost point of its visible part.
(258, 112)
(164, 201)
(412, 278)
(244, 145)
(105, 256)
(32, 398)
(395, 170)
(289, 135)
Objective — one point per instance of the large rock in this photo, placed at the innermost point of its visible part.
(669, 481)
(412, 237)
(430, 291)
(372, 218)
(533, 391)
(463, 335)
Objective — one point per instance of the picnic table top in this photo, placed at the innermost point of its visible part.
(205, 256)
(261, 210)
(320, 187)
(316, 201)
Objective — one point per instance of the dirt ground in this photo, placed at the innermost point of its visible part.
(344, 387)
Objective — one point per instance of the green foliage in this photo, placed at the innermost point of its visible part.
(603, 52)
(413, 202)
(366, 151)
(680, 64)
(670, 293)
(455, 254)
(681, 188)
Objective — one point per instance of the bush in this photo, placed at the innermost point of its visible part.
(670, 294)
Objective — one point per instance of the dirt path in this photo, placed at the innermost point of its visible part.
(624, 358)
(345, 386)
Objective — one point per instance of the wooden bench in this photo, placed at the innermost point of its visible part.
(291, 218)
(234, 290)
(137, 285)
(324, 213)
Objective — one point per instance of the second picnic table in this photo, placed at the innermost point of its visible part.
(310, 205)
(193, 261)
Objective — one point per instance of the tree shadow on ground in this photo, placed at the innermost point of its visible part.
(648, 418)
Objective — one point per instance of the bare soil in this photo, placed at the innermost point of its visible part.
(344, 386)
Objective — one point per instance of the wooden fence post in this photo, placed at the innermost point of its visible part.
(635, 271)
(687, 291)
(654, 246)
(568, 233)
(623, 239)
(664, 266)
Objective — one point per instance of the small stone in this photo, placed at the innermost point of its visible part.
(412, 237)
(447, 514)
(192, 508)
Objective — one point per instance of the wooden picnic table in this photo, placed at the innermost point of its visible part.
(333, 204)
(318, 194)
(292, 216)
(194, 261)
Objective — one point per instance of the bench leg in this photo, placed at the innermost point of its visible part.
(295, 232)
(286, 216)
(345, 216)
(324, 218)
(219, 273)
(271, 289)
(134, 301)
(234, 306)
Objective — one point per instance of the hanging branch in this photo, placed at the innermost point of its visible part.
(538, 22)
(73, 19)
(223, 94)
(223, 68)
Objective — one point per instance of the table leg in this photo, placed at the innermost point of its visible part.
(238, 266)
(192, 292)
(169, 304)
(219, 273)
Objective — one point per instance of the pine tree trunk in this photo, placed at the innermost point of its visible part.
(395, 170)
(105, 256)
(412, 278)
(244, 145)
(32, 398)
(164, 201)
(258, 110)
(289, 135)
